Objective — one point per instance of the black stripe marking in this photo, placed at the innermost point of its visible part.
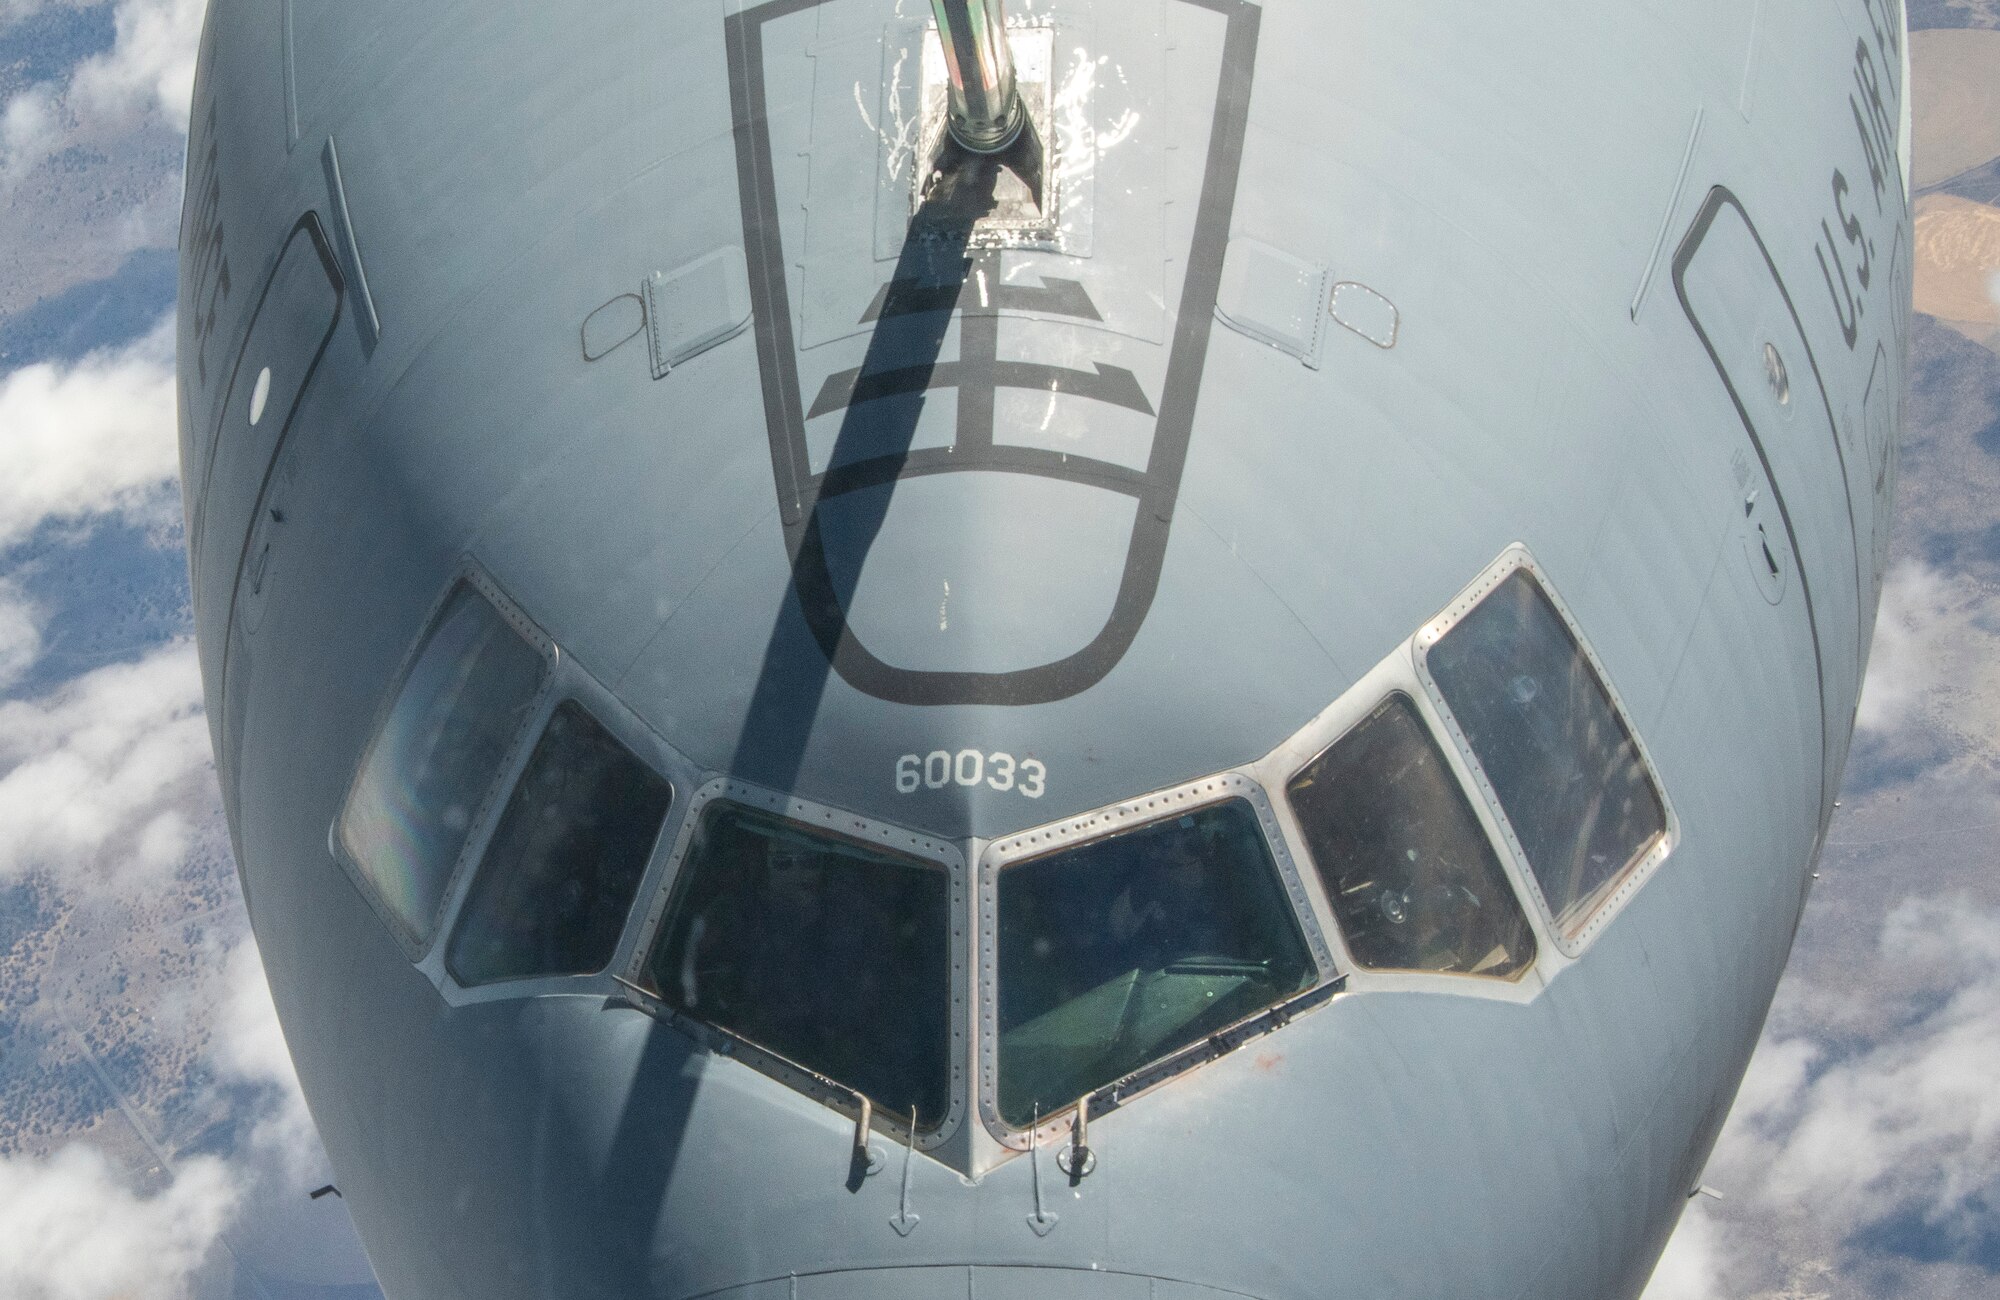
(798, 492)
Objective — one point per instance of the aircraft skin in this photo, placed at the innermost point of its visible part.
(1176, 558)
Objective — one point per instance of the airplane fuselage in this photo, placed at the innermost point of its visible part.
(621, 327)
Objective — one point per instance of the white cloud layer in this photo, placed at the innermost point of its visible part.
(249, 1048)
(148, 71)
(92, 437)
(1902, 664)
(1691, 1268)
(92, 777)
(1936, 657)
(102, 782)
(74, 1232)
(1910, 1126)
(149, 66)
(30, 127)
(1830, 1142)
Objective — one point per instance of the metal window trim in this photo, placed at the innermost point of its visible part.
(725, 1043)
(569, 681)
(1101, 824)
(1396, 675)
(1623, 886)
(973, 947)
(468, 572)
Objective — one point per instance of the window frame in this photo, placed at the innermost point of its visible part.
(414, 945)
(1104, 823)
(563, 679)
(601, 706)
(973, 903)
(1355, 709)
(656, 895)
(567, 681)
(1396, 674)
(1626, 883)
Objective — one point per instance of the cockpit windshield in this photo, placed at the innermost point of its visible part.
(1562, 760)
(437, 754)
(1124, 950)
(563, 867)
(1407, 868)
(831, 954)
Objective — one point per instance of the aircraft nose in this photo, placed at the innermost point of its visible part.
(987, 1282)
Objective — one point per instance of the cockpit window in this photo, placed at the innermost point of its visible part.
(1121, 951)
(429, 768)
(559, 876)
(831, 954)
(1410, 873)
(1562, 762)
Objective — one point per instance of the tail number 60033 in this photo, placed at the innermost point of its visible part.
(968, 767)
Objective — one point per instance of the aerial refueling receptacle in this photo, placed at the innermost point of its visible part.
(984, 111)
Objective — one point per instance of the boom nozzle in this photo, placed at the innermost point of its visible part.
(984, 112)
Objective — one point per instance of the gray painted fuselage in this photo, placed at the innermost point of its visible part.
(1584, 216)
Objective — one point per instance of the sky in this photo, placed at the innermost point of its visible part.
(153, 1142)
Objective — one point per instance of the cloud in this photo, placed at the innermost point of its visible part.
(1692, 1267)
(1776, 1081)
(90, 159)
(93, 777)
(250, 1045)
(150, 64)
(1901, 664)
(1909, 1126)
(279, 1233)
(1936, 658)
(96, 436)
(75, 1233)
(30, 127)
(1866, 1156)
(146, 75)
(249, 1049)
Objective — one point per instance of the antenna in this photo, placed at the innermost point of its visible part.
(984, 111)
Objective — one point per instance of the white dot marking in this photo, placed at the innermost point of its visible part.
(260, 394)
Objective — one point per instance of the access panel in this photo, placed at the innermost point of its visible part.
(288, 333)
(1739, 307)
(234, 524)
